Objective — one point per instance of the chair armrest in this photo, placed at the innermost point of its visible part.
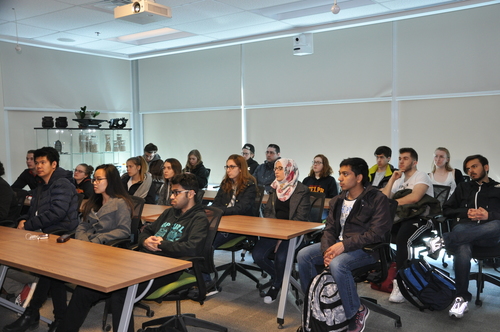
(375, 246)
(120, 243)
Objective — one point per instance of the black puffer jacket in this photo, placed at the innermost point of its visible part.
(244, 201)
(54, 205)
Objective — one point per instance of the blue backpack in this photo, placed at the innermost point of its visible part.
(323, 309)
(431, 286)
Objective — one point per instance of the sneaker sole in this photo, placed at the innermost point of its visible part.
(268, 300)
(457, 316)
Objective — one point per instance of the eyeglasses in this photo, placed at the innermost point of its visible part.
(270, 152)
(176, 193)
(98, 180)
(230, 167)
(79, 171)
(245, 153)
(279, 168)
(317, 162)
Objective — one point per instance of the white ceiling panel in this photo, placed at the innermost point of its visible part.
(91, 23)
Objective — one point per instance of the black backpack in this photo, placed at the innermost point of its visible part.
(431, 286)
(323, 309)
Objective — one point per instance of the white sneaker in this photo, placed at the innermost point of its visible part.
(459, 308)
(396, 295)
(434, 245)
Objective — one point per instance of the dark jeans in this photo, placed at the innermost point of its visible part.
(275, 267)
(460, 241)
(57, 291)
(83, 299)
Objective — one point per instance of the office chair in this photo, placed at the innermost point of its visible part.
(183, 288)
(237, 244)
(317, 206)
(480, 254)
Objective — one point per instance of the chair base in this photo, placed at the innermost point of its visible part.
(233, 268)
(481, 278)
(375, 307)
(180, 322)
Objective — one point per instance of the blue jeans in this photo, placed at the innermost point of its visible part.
(275, 266)
(340, 268)
(460, 241)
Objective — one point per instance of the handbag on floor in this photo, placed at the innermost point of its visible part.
(323, 309)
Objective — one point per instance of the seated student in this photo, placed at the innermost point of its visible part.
(137, 181)
(248, 152)
(151, 153)
(289, 200)
(264, 173)
(407, 177)
(381, 172)
(171, 168)
(476, 207)
(442, 173)
(54, 206)
(156, 170)
(194, 165)
(178, 232)
(320, 179)
(82, 180)
(28, 176)
(8, 201)
(359, 216)
(236, 194)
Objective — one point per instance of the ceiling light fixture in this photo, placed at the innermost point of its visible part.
(335, 8)
(18, 47)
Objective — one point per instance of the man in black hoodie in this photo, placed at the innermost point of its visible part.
(178, 232)
(475, 205)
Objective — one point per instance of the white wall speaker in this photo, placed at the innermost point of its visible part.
(303, 44)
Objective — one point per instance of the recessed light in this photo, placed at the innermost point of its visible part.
(66, 40)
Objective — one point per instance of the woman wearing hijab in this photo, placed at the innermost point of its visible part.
(289, 200)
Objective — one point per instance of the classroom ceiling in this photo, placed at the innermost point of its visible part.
(89, 26)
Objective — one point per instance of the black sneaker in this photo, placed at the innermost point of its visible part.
(271, 295)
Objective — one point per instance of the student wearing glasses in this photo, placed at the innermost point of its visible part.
(236, 194)
(289, 200)
(83, 182)
(248, 152)
(264, 174)
(320, 179)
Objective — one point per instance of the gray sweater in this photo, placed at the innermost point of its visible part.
(111, 222)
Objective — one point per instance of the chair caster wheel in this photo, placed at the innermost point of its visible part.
(398, 323)
(150, 313)
(264, 275)
(479, 303)
(262, 293)
(445, 265)
(107, 327)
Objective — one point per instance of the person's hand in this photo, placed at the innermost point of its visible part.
(21, 224)
(333, 252)
(477, 214)
(397, 174)
(152, 243)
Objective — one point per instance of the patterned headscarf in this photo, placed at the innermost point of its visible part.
(286, 187)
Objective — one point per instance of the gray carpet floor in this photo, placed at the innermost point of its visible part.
(240, 308)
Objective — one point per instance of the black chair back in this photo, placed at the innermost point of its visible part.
(136, 218)
(214, 215)
(317, 206)
(441, 193)
(258, 201)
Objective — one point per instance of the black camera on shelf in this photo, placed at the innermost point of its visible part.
(118, 123)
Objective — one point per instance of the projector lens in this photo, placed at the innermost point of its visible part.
(137, 7)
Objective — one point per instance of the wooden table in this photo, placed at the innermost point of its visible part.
(276, 229)
(91, 265)
(151, 212)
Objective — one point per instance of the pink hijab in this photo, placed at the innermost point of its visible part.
(286, 187)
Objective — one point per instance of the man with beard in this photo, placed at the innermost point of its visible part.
(407, 177)
(476, 207)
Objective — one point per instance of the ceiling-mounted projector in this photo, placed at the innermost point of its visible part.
(143, 12)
